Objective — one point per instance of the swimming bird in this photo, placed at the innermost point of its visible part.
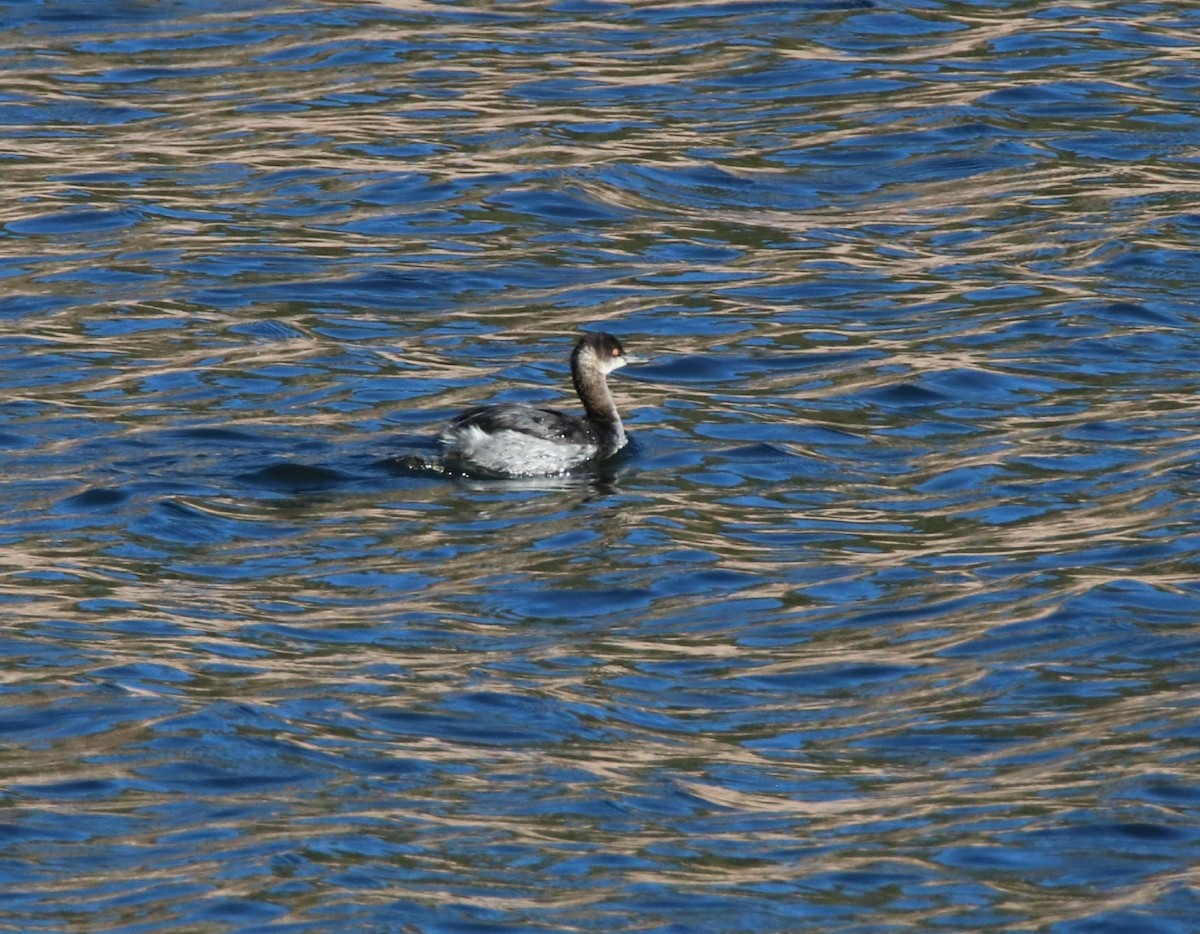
(519, 440)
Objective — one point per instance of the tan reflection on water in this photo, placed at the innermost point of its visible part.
(201, 151)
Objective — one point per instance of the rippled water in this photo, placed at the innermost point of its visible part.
(887, 621)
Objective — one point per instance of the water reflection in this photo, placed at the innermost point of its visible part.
(883, 622)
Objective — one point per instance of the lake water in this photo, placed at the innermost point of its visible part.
(886, 622)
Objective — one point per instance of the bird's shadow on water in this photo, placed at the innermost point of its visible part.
(291, 477)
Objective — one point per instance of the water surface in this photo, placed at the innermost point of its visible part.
(885, 623)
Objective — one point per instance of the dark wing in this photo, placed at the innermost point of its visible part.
(546, 424)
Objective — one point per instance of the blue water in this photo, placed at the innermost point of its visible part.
(887, 622)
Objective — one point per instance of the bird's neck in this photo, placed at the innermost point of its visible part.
(592, 387)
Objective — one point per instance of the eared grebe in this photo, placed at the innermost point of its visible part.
(517, 440)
